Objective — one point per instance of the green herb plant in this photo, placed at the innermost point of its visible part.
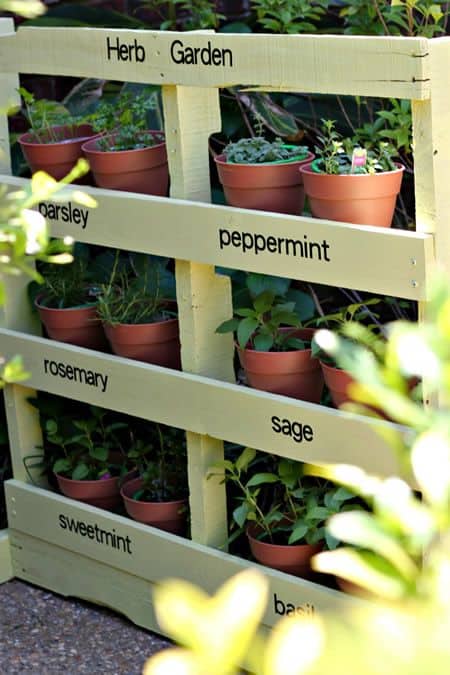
(45, 116)
(162, 464)
(289, 16)
(138, 291)
(258, 150)
(67, 286)
(335, 154)
(283, 505)
(123, 122)
(92, 451)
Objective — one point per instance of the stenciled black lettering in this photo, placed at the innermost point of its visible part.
(76, 374)
(257, 243)
(206, 56)
(298, 431)
(62, 522)
(67, 213)
(95, 533)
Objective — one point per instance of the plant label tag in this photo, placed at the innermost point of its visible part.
(359, 158)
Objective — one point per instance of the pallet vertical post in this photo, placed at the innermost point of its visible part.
(204, 298)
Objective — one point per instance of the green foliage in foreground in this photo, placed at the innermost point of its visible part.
(399, 552)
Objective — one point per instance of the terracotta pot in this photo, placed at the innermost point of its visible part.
(337, 381)
(363, 199)
(105, 494)
(143, 170)
(57, 159)
(168, 516)
(76, 325)
(296, 374)
(157, 343)
(292, 559)
(266, 187)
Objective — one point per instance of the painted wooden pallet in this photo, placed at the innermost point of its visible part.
(191, 67)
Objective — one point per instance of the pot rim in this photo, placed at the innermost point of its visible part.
(219, 159)
(87, 482)
(269, 545)
(96, 151)
(138, 325)
(308, 170)
(75, 139)
(39, 297)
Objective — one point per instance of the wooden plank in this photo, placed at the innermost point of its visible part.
(431, 126)
(357, 65)
(378, 260)
(6, 572)
(148, 553)
(205, 406)
(203, 298)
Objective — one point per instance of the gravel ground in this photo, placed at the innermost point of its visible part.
(43, 633)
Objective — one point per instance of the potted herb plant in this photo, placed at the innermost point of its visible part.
(53, 142)
(92, 459)
(281, 511)
(350, 183)
(346, 321)
(274, 349)
(158, 497)
(138, 316)
(259, 174)
(68, 304)
(127, 155)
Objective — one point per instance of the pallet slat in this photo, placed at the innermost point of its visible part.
(378, 260)
(205, 406)
(149, 554)
(6, 572)
(370, 66)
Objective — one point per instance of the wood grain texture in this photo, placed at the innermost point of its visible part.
(207, 406)
(155, 555)
(357, 65)
(378, 260)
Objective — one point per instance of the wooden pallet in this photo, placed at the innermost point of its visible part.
(54, 541)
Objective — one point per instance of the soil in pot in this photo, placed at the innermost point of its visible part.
(103, 493)
(76, 325)
(57, 159)
(295, 373)
(268, 187)
(168, 516)
(143, 170)
(157, 343)
(362, 199)
(292, 559)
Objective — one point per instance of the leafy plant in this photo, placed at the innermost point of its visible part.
(284, 506)
(66, 287)
(138, 291)
(123, 123)
(162, 464)
(261, 305)
(289, 16)
(44, 117)
(341, 156)
(93, 451)
(258, 150)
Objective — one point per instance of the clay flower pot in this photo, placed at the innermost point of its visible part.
(76, 325)
(157, 343)
(268, 187)
(337, 381)
(57, 159)
(168, 516)
(103, 493)
(296, 373)
(143, 170)
(291, 559)
(362, 199)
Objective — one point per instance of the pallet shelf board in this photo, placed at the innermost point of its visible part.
(275, 424)
(302, 248)
(365, 66)
(6, 572)
(148, 554)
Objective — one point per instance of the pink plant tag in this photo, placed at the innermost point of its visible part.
(359, 158)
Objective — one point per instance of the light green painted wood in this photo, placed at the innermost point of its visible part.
(313, 63)
(155, 555)
(382, 260)
(6, 572)
(205, 406)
